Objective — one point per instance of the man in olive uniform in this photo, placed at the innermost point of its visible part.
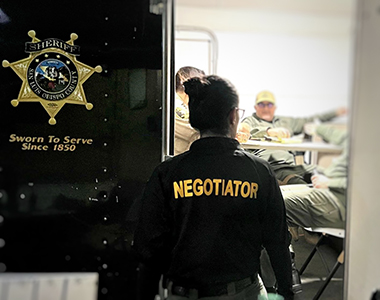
(324, 205)
(264, 123)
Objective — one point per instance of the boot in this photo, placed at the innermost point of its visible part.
(296, 279)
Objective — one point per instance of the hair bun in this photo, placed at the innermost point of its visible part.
(194, 86)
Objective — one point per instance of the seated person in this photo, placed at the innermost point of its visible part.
(184, 134)
(264, 123)
(323, 205)
(320, 206)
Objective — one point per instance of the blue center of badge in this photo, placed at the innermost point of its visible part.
(52, 76)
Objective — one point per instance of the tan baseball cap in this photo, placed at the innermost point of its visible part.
(265, 96)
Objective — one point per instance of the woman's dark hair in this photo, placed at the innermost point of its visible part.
(211, 99)
(184, 74)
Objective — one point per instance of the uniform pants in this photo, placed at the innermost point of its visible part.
(249, 293)
(311, 207)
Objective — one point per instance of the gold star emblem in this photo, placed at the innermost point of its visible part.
(52, 75)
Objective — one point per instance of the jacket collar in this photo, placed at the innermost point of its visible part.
(215, 144)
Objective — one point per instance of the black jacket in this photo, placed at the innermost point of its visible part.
(207, 213)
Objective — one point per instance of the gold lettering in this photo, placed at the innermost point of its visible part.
(217, 182)
(188, 187)
(68, 140)
(229, 189)
(210, 188)
(12, 138)
(242, 192)
(254, 188)
(178, 189)
(198, 189)
(29, 139)
(237, 184)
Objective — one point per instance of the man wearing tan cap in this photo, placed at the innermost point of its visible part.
(264, 123)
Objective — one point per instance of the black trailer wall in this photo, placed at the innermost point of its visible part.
(67, 190)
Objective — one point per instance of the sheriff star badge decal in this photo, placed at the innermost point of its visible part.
(52, 75)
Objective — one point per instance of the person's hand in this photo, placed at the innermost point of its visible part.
(244, 127)
(242, 137)
(320, 181)
(341, 111)
(243, 133)
(310, 128)
(279, 132)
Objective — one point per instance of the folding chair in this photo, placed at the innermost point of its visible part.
(339, 233)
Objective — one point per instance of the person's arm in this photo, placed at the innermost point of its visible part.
(184, 136)
(340, 183)
(328, 116)
(276, 239)
(257, 129)
(151, 236)
(183, 130)
(297, 124)
(336, 172)
(147, 284)
(279, 132)
(332, 134)
(261, 131)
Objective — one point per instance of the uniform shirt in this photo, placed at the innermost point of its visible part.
(337, 171)
(184, 134)
(259, 126)
(207, 213)
(280, 159)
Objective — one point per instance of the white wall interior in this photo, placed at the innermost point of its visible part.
(193, 47)
(302, 55)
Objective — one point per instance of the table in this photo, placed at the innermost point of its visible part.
(313, 148)
(302, 146)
